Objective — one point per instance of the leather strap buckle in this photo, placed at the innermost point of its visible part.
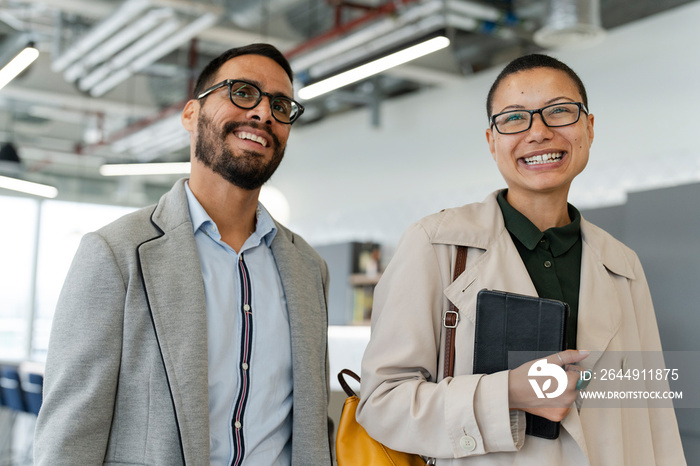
(448, 321)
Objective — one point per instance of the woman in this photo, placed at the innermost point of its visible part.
(527, 240)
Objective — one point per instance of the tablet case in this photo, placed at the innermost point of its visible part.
(534, 327)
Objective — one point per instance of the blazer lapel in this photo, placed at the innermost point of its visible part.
(172, 280)
(308, 321)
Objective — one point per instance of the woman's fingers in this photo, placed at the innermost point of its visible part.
(542, 388)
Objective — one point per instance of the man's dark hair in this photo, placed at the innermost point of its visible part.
(266, 50)
(529, 62)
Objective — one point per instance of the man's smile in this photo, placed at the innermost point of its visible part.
(251, 137)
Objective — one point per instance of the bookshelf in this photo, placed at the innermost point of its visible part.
(355, 269)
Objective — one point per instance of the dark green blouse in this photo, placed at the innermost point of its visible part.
(552, 258)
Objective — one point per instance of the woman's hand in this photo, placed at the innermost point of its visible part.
(522, 395)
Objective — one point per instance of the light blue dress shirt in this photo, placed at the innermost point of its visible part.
(249, 344)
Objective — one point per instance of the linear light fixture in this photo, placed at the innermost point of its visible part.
(18, 64)
(131, 169)
(373, 67)
(28, 187)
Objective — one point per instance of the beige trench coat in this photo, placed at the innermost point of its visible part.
(405, 404)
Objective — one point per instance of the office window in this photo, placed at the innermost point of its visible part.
(17, 258)
(63, 224)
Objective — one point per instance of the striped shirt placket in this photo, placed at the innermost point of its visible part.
(244, 377)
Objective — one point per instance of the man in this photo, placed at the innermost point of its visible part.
(195, 332)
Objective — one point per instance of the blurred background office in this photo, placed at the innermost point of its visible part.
(91, 90)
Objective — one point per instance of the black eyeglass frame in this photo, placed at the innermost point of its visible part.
(261, 94)
(532, 113)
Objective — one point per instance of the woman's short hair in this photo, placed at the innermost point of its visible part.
(529, 62)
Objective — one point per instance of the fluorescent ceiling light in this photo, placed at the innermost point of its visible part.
(17, 65)
(374, 67)
(127, 169)
(28, 187)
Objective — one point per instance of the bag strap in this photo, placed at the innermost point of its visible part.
(346, 388)
(450, 321)
(451, 317)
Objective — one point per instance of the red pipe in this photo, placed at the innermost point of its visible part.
(385, 9)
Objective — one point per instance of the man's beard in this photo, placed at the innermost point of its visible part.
(246, 169)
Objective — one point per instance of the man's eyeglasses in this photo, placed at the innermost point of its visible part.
(247, 95)
(555, 115)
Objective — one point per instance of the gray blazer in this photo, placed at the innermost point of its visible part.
(126, 373)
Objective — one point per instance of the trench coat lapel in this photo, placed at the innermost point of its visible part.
(493, 261)
(599, 318)
(172, 279)
(600, 311)
(497, 268)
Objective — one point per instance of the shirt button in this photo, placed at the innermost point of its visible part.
(237, 425)
(467, 443)
(246, 307)
(547, 264)
(245, 366)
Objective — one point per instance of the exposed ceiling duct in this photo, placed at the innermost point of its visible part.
(571, 24)
(247, 13)
(97, 43)
(135, 36)
(411, 23)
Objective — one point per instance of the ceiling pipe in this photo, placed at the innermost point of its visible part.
(129, 54)
(100, 32)
(117, 42)
(136, 127)
(459, 13)
(413, 23)
(374, 47)
(128, 35)
(163, 48)
(383, 10)
(361, 36)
